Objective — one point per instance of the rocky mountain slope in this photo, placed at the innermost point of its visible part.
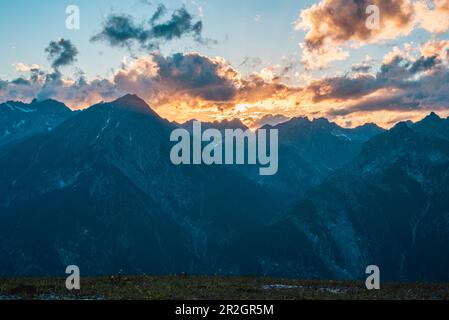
(100, 192)
(19, 121)
(388, 207)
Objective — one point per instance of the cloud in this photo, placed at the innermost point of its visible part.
(179, 76)
(197, 81)
(122, 31)
(21, 81)
(403, 82)
(181, 23)
(342, 87)
(198, 76)
(331, 24)
(269, 119)
(434, 19)
(439, 48)
(365, 66)
(184, 86)
(180, 86)
(3, 84)
(423, 64)
(320, 57)
(160, 12)
(61, 53)
(339, 21)
(22, 67)
(393, 102)
(51, 85)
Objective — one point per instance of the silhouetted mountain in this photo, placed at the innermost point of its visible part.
(133, 103)
(304, 152)
(388, 207)
(309, 151)
(19, 121)
(433, 125)
(100, 192)
(305, 147)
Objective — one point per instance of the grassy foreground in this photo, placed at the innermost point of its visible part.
(214, 288)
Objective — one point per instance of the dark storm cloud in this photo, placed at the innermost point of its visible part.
(398, 73)
(423, 64)
(21, 82)
(361, 68)
(345, 87)
(408, 85)
(197, 75)
(53, 82)
(181, 22)
(160, 12)
(393, 103)
(61, 53)
(36, 74)
(187, 77)
(123, 31)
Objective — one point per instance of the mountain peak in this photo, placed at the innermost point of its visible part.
(369, 125)
(50, 105)
(429, 122)
(432, 116)
(44, 106)
(133, 102)
(401, 127)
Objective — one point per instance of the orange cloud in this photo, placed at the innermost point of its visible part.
(331, 24)
(189, 86)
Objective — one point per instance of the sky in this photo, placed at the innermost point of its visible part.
(261, 61)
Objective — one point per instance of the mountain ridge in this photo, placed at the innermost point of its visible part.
(98, 190)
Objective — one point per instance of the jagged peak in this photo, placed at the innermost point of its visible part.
(429, 121)
(433, 116)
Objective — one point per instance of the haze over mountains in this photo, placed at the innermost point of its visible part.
(96, 188)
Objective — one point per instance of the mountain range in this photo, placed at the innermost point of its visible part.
(96, 188)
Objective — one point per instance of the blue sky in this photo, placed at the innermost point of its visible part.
(33, 24)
